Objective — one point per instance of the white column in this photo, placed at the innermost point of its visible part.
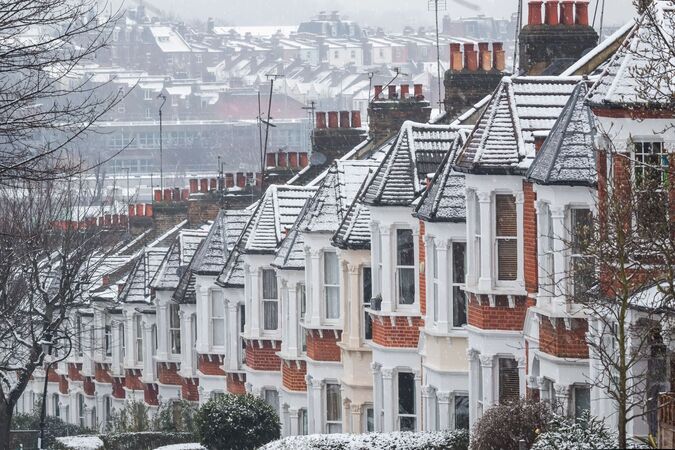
(291, 329)
(255, 301)
(316, 418)
(163, 332)
(558, 219)
(116, 335)
(416, 251)
(428, 405)
(148, 361)
(443, 294)
(232, 335)
(353, 320)
(313, 290)
(377, 395)
(443, 411)
(388, 291)
(522, 376)
(388, 406)
(474, 369)
(485, 280)
(188, 364)
(487, 362)
(418, 400)
(293, 418)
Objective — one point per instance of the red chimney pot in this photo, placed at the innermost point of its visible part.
(582, 12)
(456, 57)
(470, 58)
(405, 91)
(534, 17)
(552, 12)
(392, 92)
(321, 120)
(356, 119)
(419, 91)
(344, 120)
(567, 12)
(378, 91)
(158, 195)
(332, 119)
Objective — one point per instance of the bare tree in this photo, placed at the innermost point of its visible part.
(48, 262)
(47, 102)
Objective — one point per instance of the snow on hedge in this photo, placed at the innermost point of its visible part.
(193, 446)
(450, 440)
(81, 442)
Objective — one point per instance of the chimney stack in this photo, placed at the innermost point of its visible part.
(344, 119)
(455, 57)
(567, 12)
(552, 12)
(582, 12)
(332, 119)
(356, 119)
(321, 120)
(470, 58)
(534, 14)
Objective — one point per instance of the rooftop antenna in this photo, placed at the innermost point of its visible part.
(161, 155)
(438, 5)
(519, 26)
(310, 110)
(268, 123)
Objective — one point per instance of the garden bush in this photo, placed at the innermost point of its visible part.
(503, 426)
(54, 427)
(148, 440)
(236, 422)
(446, 440)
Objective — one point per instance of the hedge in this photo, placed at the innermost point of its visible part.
(125, 441)
(444, 440)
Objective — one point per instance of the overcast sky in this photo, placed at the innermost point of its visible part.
(390, 14)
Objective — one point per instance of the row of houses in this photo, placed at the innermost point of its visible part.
(408, 287)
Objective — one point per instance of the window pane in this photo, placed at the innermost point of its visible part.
(302, 293)
(218, 332)
(332, 302)
(174, 318)
(461, 412)
(407, 423)
(406, 286)
(368, 324)
(331, 268)
(509, 384)
(367, 285)
(506, 216)
(333, 403)
(405, 248)
(458, 262)
(269, 284)
(406, 393)
(370, 420)
(217, 305)
(271, 315)
(272, 398)
(458, 307)
(582, 401)
(581, 223)
(507, 259)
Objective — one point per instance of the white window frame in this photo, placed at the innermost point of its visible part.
(435, 282)
(400, 415)
(398, 268)
(547, 246)
(301, 292)
(572, 256)
(81, 416)
(496, 239)
(269, 300)
(216, 321)
(456, 284)
(107, 339)
(174, 329)
(334, 425)
(138, 331)
(330, 287)
(476, 230)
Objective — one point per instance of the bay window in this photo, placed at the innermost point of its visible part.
(217, 319)
(139, 338)
(405, 267)
(581, 265)
(506, 237)
(458, 282)
(650, 172)
(174, 328)
(407, 417)
(270, 300)
(331, 284)
(333, 408)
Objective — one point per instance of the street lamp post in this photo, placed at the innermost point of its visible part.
(48, 346)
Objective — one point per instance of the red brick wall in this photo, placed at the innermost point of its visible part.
(74, 372)
(132, 381)
(323, 348)
(190, 390)
(63, 385)
(168, 374)
(102, 375)
(88, 386)
(402, 334)
(234, 385)
(118, 388)
(558, 341)
(150, 394)
(210, 365)
(500, 317)
(293, 376)
(530, 239)
(264, 358)
(423, 275)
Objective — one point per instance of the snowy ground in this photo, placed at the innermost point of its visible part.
(193, 446)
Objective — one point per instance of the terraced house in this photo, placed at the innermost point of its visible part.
(413, 281)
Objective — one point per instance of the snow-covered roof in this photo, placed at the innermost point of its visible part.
(354, 230)
(168, 40)
(273, 217)
(226, 229)
(137, 287)
(232, 274)
(567, 157)
(641, 72)
(178, 257)
(418, 151)
(445, 200)
(503, 139)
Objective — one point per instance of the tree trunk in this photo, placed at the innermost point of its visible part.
(5, 426)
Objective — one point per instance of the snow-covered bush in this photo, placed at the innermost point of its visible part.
(54, 427)
(192, 446)
(78, 443)
(144, 441)
(503, 426)
(446, 440)
(588, 433)
(236, 422)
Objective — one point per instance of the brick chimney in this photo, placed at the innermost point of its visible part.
(549, 48)
(467, 84)
(386, 117)
(343, 133)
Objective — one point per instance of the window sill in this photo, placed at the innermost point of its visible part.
(398, 313)
(450, 332)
